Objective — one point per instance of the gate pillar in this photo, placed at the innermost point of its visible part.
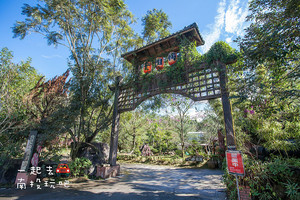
(226, 108)
(115, 125)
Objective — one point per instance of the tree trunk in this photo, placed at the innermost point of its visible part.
(133, 143)
(75, 150)
(115, 126)
(182, 151)
(182, 137)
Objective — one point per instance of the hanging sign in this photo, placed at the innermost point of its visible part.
(159, 63)
(172, 58)
(147, 67)
(235, 163)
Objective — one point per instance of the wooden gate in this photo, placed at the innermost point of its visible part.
(199, 83)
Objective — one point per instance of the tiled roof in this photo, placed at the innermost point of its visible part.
(193, 25)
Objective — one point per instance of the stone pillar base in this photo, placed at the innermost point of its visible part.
(108, 171)
(25, 178)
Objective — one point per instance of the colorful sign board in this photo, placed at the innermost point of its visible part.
(235, 163)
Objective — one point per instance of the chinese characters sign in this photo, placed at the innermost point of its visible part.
(39, 183)
(235, 162)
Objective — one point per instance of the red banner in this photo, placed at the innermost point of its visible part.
(235, 163)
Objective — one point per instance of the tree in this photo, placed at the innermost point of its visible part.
(156, 24)
(133, 124)
(182, 105)
(274, 33)
(90, 30)
(16, 80)
(212, 121)
(269, 83)
(44, 101)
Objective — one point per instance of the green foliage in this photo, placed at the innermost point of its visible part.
(156, 24)
(188, 57)
(188, 54)
(161, 133)
(265, 80)
(158, 160)
(132, 130)
(274, 179)
(274, 33)
(212, 121)
(221, 51)
(264, 86)
(292, 190)
(137, 152)
(91, 30)
(160, 136)
(16, 80)
(79, 166)
(178, 152)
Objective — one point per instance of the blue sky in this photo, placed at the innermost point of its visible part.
(217, 20)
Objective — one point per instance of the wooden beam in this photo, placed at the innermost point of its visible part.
(115, 126)
(226, 108)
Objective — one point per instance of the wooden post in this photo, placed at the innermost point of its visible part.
(115, 126)
(230, 141)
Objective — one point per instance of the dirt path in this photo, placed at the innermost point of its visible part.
(137, 181)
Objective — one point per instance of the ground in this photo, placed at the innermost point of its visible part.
(137, 181)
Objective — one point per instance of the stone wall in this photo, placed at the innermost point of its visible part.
(245, 193)
(98, 154)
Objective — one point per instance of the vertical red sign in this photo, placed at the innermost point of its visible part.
(235, 163)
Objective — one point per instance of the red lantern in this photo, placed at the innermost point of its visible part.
(172, 58)
(148, 67)
(159, 63)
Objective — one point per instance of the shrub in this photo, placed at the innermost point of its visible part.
(79, 166)
(273, 179)
(137, 152)
(178, 152)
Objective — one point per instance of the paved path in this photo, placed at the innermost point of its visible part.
(137, 181)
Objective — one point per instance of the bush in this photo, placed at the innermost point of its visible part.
(274, 179)
(154, 150)
(137, 152)
(79, 166)
(178, 152)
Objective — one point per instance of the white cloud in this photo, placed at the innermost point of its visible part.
(214, 34)
(52, 56)
(235, 17)
(228, 40)
(229, 22)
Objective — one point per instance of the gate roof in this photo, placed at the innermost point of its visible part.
(165, 45)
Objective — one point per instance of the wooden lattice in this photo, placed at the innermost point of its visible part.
(201, 83)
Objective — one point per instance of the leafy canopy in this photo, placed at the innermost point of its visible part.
(156, 24)
(93, 31)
